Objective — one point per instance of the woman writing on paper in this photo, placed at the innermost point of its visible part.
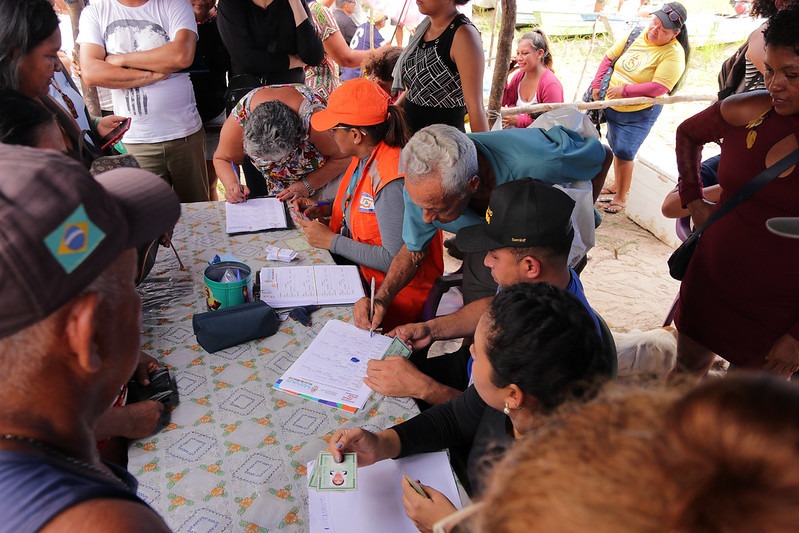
(534, 348)
(365, 224)
(272, 125)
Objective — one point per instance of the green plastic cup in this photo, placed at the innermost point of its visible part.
(219, 294)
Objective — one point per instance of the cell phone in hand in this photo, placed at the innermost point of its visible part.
(115, 135)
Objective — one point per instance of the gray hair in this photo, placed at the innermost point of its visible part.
(442, 150)
(272, 131)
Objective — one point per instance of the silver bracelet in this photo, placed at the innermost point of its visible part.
(310, 189)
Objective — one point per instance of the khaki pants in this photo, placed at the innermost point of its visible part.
(180, 162)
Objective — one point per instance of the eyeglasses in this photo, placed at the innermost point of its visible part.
(673, 15)
(334, 128)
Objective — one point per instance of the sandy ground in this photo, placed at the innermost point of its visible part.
(626, 279)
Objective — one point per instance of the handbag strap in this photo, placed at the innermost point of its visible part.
(748, 190)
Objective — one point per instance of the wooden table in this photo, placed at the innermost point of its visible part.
(233, 457)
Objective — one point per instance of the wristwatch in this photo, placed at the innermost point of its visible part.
(310, 189)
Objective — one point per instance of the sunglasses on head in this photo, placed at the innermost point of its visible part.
(672, 14)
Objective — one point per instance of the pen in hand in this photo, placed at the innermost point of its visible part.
(371, 306)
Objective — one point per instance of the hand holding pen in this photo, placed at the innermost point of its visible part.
(312, 210)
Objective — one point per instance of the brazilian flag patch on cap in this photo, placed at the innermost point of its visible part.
(74, 240)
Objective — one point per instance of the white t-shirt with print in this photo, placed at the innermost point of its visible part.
(164, 110)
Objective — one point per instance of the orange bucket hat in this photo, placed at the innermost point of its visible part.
(358, 102)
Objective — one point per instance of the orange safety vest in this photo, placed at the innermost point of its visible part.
(407, 305)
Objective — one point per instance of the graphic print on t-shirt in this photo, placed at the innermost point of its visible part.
(130, 35)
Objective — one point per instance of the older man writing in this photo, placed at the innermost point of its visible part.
(526, 239)
(69, 336)
(449, 177)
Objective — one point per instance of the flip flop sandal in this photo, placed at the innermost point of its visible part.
(606, 191)
(613, 208)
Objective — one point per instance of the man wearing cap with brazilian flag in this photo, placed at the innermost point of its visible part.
(70, 321)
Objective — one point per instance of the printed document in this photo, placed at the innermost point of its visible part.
(376, 505)
(309, 285)
(255, 214)
(332, 368)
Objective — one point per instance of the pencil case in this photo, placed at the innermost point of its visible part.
(217, 330)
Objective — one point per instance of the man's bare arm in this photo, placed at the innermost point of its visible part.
(97, 72)
(461, 323)
(169, 58)
(403, 268)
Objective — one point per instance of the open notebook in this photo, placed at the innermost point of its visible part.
(256, 214)
(308, 285)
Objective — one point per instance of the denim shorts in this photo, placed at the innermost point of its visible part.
(628, 131)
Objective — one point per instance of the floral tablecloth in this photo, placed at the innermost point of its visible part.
(233, 457)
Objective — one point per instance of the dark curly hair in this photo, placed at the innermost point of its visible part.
(542, 339)
(26, 24)
(380, 63)
(763, 8)
(782, 29)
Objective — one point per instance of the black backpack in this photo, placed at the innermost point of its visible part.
(732, 76)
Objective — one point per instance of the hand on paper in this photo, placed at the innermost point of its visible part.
(425, 511)
(395, 376)
(355, 440)
(317, 234)
(361, 313)
(236, 193)
(783, 358)
(416, 335)
(147, 365)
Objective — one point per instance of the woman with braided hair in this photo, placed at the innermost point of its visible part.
(534, 348)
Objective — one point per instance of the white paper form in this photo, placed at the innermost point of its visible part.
(254, 215)
(332, 368)
(376, 505)
(322, 285)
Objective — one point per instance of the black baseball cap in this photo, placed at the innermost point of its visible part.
(521, 214)
(672, 15)
(60, 228)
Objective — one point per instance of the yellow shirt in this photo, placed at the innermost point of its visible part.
(644, 62)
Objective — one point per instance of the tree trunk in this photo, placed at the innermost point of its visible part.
(504, 47)
(89, 93)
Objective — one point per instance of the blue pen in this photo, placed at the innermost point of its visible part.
(236, 172)
(319, 204)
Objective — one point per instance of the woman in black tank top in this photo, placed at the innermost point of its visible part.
(443, 76)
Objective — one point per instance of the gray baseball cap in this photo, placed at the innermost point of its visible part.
(60, 228)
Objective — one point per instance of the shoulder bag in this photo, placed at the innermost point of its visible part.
(679, 260)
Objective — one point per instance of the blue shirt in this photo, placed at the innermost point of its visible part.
(556, 155)
(575, 287)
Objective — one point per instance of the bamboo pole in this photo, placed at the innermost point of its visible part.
(582, 106)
